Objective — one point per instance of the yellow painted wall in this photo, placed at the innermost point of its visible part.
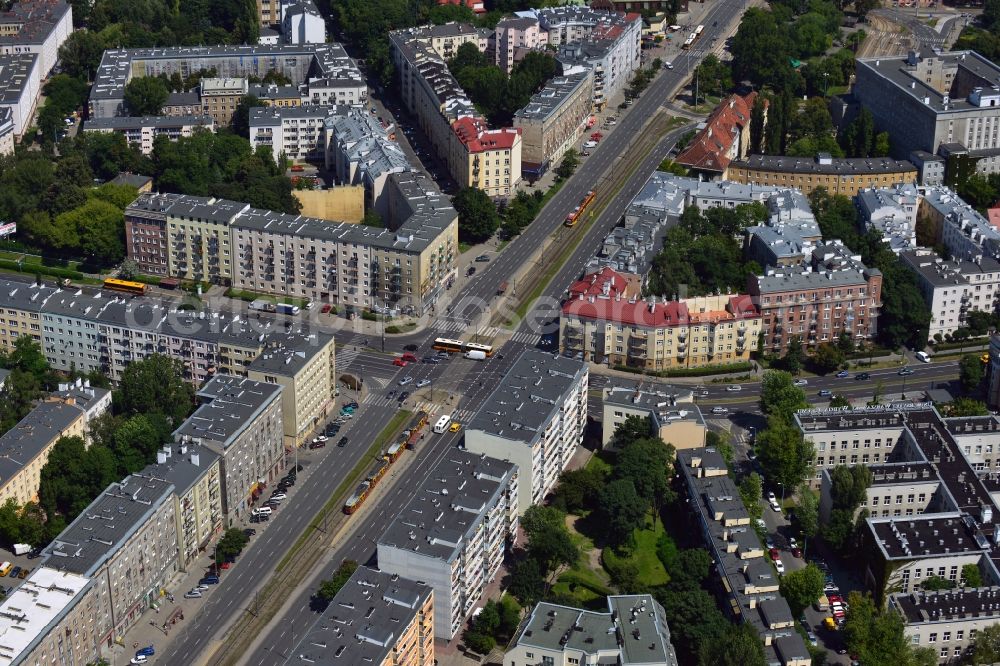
(345, 203)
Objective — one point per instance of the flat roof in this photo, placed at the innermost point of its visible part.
(229, 405)
(181, 465)
(901, 74)
(634, 630)
(526, 397)
(552, 96)
(937, 272)
(105, 526)
(32, 434)
(974, 604)
(928, 535)
(15, 69)
(36, 19)
(34, 608)
(158, 122)
(364, 621)
(841, 166)
(449, 506)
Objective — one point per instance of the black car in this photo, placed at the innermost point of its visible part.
(249, 532)
(391, 394)
(352, 404)
(404, 395)
(342, 442)
(471, 271)
(410, 347)
(483, 258)
(862, 376)
(430, 359)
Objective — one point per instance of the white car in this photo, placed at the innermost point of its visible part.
(792, 543)
(734, 387)
(801, 382)
(775, 506)
(279, 496)
(139, 659)
(193, 594)
(406, 380)
(719, 410)
(590, 144)
(668, 65)
(780, 566)
(771, 497)
(423, 382)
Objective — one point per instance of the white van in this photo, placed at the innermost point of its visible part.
(442, 423)
(262, 511)
(923, 357)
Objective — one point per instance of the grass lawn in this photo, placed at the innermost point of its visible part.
(651, 571)
(463, 247)
(587, 585)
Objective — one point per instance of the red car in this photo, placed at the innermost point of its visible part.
(797, 552)
(596, 136)
(325, 309)
(409, 358)
(775, 555)
(400, 362)
(835, 598)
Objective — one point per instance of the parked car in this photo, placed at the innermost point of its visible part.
(139, 659)
(775, 555)
(317, 445)
(812, 638)
(780, 566)
(15, 572)
(193, 594)
(148, 651)
(923, 357)
(352, 404)
(279, 496)
(797, 552)
(249, 532)
(471, 271)
(483, 258)
(771, 497)
(769, 542)
(589, 144)
(209, 580)
(24, 572)
(775, 506)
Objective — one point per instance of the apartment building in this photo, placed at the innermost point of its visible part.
(20, 86)
(92, 400)
(554, 121)
(52, 617)
(38, 27)
(947, 621)
(353, 266)
(304, 367)
(269, 12)
(483, 158)
(892, 212)
(294, 132)
(240, 420)
(672, 414)
(126, 542)
(274, 95)
(454, 533)
(897, 489)
(142, 132)
(219, 97)
(633, 631)
(299, 62)
(377, 618)
(183, 103)
(934, 100)
(846, 176)
(534, 418)
(835, 293)
(513, 38)
(963, 231)
(657, 334)
(25, 448)
(790, 234)
(302, 23)
(724, 138)
(953, 289)
(195, 472)
(745, 573)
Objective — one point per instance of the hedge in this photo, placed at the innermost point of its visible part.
(970, 343)
(32, 269)
(729, 368)
(878, 353)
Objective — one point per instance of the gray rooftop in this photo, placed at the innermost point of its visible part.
(183, 98)
(105, 526)
(15, 70)
(633, 631)
(937, 272)
(22, 443)
(551, 96)
(134, 179)
(363, 622)
(449, 506)
(158, 122)
(228, 406)
(181, 465)
(527, 396)
(902, 74)
(286, 354)
(35, 20)
(845, 166)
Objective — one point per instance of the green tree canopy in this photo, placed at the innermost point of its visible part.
(477, 215)
(970, 372)
(622, 510)
(146, 95)
(742, 647)
(785, 456)
(329, 588)
(802, 587)
(155, 385)
(876, 636)
(779, 397)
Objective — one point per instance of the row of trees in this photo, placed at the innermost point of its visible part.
(329, 587)
(701, 254)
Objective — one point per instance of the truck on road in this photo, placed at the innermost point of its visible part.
(262, 305)
(21, 548)
(285, 308)
(476, 355)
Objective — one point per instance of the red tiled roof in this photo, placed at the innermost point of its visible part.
(477, 137)
(993, 216)
(659, 314)
(592, 284)
(708, 149)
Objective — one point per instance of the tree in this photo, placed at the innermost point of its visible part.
(155, 385)
(526, 581)
(849, 486)
(549, 542)
(785, 456)
(935, 583)
(802, 587)
(827, 358)
(622, 510)
(876, 636)
(146, 95)
(648, 464)
(751, 491)
(794, 357)
(838, 401)
(241, 117)
(807, 513)
(578, 489)
(329, 588)
(81, 53)
(972, 576)
(986, 649)
(694, 620)
(779, 396)
(742, 647)
(477, 215)
(966, 407)
(970, 372)
(231, 544)
(73, 476)
(633, 428)
(95, 230)
(568, 164)
(135, 442)
(128, 270)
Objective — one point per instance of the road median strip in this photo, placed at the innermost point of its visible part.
(304, 553)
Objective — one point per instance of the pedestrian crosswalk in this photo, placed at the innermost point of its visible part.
(346, 356)
(526, 337)
(433, 408)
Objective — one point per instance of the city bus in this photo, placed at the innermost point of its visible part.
(126, 286)
(458, 346)
(573, 217)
